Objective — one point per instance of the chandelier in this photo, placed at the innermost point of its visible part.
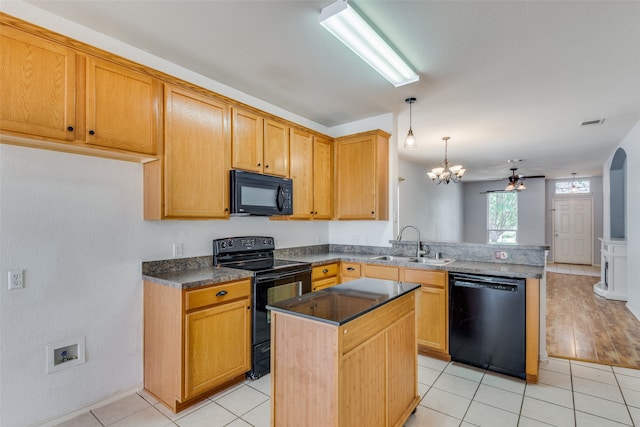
(445, 174)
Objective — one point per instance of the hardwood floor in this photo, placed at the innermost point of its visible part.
(584, 326)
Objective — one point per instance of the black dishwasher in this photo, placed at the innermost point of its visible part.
(487, 322)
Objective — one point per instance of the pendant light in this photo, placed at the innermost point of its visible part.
(574, 187)
(410, 140)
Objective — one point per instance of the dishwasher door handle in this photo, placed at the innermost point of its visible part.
(493, 286)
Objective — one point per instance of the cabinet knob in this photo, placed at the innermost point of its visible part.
(326, 270)
(70, 128)
(226, 209)
(311, 212)
(221, 293)
(315, 213)
(350, 269)
(259, 164)
(373, 213)
(266, 166)
(92, 132)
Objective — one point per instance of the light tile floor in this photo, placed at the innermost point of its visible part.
(569, 393)
(581, 270)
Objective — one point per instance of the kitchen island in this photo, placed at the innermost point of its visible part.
(345, 356)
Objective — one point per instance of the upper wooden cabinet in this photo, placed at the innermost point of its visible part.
(194, 171)
(276, 148)
(301, 172)
(51, 93)
(362, 176)
(37, 86)
(122, 108)
(322, 178)
(259, 145)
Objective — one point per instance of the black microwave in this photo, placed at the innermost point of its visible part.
(257, 194)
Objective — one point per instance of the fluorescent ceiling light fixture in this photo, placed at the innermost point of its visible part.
(346, 25)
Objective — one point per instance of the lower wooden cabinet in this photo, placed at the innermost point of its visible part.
(195, 341)
(324, 276)
(350, 271)
(362, 373)
(432, 310)
(377, 271)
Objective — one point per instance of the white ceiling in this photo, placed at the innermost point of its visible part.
(503, 79)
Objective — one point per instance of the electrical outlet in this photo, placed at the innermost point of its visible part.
(16, 279)
(177, 250)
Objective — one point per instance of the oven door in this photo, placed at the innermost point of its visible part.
(270, 288)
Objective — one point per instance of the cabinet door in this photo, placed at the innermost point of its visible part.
(122, 108)
(197, 151)
(356, 169)
(37, 93)
(364, 384)
(322, 178)
(402, 367)
(319, 284)
(432, 317)
(276, 148)
(217, 346)
(301, 171)
(247, 141)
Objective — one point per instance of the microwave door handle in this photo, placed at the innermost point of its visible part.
(280, 199)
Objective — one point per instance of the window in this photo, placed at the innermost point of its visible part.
(502, 215)
(573, 187)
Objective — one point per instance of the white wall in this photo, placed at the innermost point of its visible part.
(631, 144)
(436, 210)
(74, 224)
(531, 211)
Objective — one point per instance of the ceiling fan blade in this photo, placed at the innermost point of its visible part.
(531, 176)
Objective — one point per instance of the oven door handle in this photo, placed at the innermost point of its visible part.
(268, 277)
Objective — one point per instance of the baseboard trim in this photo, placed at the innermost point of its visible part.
(112, 398)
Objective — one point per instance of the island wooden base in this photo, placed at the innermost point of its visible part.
(361, 373)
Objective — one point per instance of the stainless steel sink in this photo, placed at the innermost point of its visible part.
(432, 261)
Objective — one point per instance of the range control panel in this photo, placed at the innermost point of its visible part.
(243, 244)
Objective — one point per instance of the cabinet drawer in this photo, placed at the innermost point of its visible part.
(381, 272)
(320, 284)
(322, 271)
(350, 269)
(217, 294)
(427, 277)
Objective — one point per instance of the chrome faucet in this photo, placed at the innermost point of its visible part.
(417, 243)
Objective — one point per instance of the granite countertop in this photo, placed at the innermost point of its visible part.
(186, 279)
(474, 267)
(186, 273)
(343, 303)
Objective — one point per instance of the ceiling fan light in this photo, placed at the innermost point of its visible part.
(437, 171)
(509, 187)
(455, 169)
(461, 172)
(521, 186)
(350, 28)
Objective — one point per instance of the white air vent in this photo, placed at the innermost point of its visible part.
(592, 123)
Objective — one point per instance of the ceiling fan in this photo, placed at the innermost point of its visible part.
(516, 182)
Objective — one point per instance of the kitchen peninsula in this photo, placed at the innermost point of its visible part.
(345, 355)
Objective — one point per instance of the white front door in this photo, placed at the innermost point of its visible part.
(573, 231)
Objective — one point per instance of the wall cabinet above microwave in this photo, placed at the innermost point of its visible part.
(258, 144)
